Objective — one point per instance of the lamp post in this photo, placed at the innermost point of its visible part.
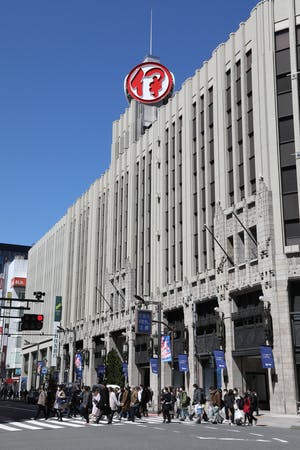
(158, 304)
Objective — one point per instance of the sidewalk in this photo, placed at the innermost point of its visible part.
(278, 420)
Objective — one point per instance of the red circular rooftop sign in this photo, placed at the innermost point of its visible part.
(149, 82)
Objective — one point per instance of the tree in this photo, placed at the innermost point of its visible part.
(114, 373)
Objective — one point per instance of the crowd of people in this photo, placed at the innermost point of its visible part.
(131, 403)
(227, 406)
(94, 404)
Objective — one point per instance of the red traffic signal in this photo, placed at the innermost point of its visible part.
(32, 322)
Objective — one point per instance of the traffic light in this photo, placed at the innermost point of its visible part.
(31, 322)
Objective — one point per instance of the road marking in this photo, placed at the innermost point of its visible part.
(256, 434)
(7, 428)
(45, 424)
(25, 425)
(280, 440)
(211, 428)
(68, 424)
(231, 439)
(176, 431)
(158, 428)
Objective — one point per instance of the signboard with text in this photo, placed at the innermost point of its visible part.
(143, 321)
(267, 359)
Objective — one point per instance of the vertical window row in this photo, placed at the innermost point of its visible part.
(179, 199)
(115, 225)
(194, 191)
(250, 131)
(286, 138)
(136, 222)
(148, 225)
(211, 175)
(202, 166)
(240, 146)
(166, 210)
(229, 139)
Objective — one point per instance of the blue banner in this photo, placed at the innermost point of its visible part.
(101, 369)
(166, 354)
(125, 369)
(154, 365)
(78, 365)
(183, 363)
(143, 322)
(267, 359)
(220, 359)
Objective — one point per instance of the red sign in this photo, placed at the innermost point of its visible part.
(18, 282)
(149, 82)
(1, 330)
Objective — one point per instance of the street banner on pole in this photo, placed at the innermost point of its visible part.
(78, 366)
(220, 359)
(267, 359)
(125, 369)
(154, 365)
(166, 354)
(183, 363)
(101, 370)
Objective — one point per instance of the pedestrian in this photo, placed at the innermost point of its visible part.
(229, 400)
(113, 404)
(198, 399)
(184, 403)
(166, 403)
(95, 405)
(42, 404)
(134, 404)
(60, 400)
(86, 403)
(125, 402)
(145, 399)
(104, 403)
(248, 410)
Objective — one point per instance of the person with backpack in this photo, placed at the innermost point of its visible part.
(184, 403)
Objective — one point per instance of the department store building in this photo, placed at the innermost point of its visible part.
(199, 211)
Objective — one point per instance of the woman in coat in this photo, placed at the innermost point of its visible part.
(60, 400)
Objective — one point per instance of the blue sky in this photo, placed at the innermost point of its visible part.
(62, 67)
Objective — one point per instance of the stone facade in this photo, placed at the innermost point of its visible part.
(189, 214)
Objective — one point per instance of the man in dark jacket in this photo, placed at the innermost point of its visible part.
(104, 403)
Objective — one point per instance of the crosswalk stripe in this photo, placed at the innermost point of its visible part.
(25, 425)
(68, 424)
(45, 424)
(8, 428)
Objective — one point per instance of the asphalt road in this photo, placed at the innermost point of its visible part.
(148, 433)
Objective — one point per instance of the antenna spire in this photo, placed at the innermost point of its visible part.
(150, 48)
